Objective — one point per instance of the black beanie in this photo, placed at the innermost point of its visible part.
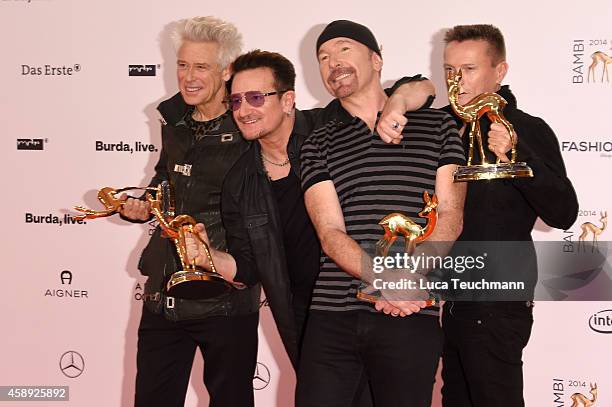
(348, 29)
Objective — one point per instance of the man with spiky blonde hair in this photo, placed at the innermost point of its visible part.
(200, 144)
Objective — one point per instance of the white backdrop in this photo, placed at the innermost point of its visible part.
(91, 100)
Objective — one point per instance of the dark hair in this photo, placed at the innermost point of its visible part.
(485, 32)
(282, 68)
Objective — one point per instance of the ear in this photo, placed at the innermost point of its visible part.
(377, 61)
(501, 70)
(226, 74)
(288, 101)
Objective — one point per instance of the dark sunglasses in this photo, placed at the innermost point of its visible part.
(254, 98)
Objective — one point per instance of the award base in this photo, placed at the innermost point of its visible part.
(196, 285)
(375, 296)
(492, 171)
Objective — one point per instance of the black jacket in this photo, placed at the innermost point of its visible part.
(251, 217)
(254, 229)
(506, 210)
(196, 169)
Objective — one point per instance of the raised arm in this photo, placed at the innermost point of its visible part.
(407, 96)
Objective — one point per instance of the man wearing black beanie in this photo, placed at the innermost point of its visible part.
(351, 181)
(408, 92)
(349, 29)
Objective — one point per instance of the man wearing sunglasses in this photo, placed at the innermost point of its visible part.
(200, 144)
(270, 236)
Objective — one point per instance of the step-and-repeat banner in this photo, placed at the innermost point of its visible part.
(80, 84)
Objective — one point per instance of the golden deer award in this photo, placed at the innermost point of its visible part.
(396, 225)
(492, 105)
(189, 282)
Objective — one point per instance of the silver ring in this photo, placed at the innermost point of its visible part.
(395, 125)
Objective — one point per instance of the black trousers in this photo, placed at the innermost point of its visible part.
(399, 357)
(165, 355)
(483, 348)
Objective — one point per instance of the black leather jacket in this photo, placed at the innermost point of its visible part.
(254, 229)
(251, 217)
(196, 169)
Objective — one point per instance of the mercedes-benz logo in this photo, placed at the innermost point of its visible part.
(261, 378)
(72, 364)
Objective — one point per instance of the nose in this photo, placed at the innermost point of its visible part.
(462, 80)
(189, 73)
(245, 108)
(334, 62)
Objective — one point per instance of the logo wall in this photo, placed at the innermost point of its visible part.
(579, 268)
(32, 144)
(49, 70)
(592, 231)
(604, 148)
(143, 70)
(72, 364)
(590, 58)
(261, 378)
(122, 146)
(589, 233)
(51, 219)
(601, 322)
(66, 279)
(579, 393)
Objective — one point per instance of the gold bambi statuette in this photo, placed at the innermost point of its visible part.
(189, 282)
(397, 224)
(492, 105)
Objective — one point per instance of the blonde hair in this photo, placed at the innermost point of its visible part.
(210, 29)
